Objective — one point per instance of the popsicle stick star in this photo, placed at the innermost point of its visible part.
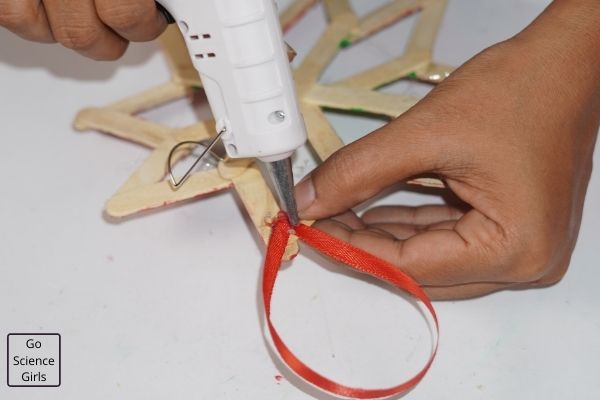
(147, 187)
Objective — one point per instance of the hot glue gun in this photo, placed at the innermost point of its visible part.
(237, 47)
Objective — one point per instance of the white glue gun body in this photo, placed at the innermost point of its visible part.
(238, 49)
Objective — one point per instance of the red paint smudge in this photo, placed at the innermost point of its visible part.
(278, 378)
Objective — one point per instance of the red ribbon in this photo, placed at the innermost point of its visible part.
(356, 259)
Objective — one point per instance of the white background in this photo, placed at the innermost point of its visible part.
(165, 305)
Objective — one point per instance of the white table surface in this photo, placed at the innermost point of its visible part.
(165, 306)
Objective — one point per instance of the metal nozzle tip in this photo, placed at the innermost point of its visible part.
(281, 180)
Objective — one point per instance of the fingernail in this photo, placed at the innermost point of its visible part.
(305, 193)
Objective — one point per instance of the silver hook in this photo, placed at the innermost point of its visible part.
(177, 183)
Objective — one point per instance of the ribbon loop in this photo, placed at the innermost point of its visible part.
(358, 260)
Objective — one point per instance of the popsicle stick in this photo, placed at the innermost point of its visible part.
(360, 100)
(323, 53)
(232, 168)
(426, 28)
(387, 73)
(161, 194)
(152, 170)
(338, 9)
(122, 125)
(199, 131)
(295, 12)
(321, 135)
(151, 98)
(383, 17)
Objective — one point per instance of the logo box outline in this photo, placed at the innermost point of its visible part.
(33, 334)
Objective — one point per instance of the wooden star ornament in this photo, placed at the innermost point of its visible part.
(147, 187)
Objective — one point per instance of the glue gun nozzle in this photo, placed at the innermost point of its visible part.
(281, 179)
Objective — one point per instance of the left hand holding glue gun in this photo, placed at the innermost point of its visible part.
(99, 29)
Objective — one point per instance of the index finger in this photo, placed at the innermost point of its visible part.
(134, 20)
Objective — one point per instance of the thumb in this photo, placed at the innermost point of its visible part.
(364, 168)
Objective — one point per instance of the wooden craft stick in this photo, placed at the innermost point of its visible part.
(383, 17)
(122, 125)
(425, 30)
(232, 168)
(295, 12)
(384, 74)
(360, 100)
(152, 170)
(151, 98)
(199, 131)
(322, 53)
(338, 9)
(321, 135)
(161, 194)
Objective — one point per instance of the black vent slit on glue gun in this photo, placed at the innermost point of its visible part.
(204, 36)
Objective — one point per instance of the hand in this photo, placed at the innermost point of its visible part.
(99, 29)
(512, 134)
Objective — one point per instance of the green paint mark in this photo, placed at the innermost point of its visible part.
(196, 88)
(412, 75)
(357, 109)
(345, 42)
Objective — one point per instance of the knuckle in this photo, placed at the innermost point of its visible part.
(77, 38)
(492, 239)
(119, 16)
(551, 280)
(15, 14)
(557, 273)
(527, 273)
(534, 261)
(517, 259)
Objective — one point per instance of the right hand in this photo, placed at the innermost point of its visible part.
(510, 137)
(98, 29)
